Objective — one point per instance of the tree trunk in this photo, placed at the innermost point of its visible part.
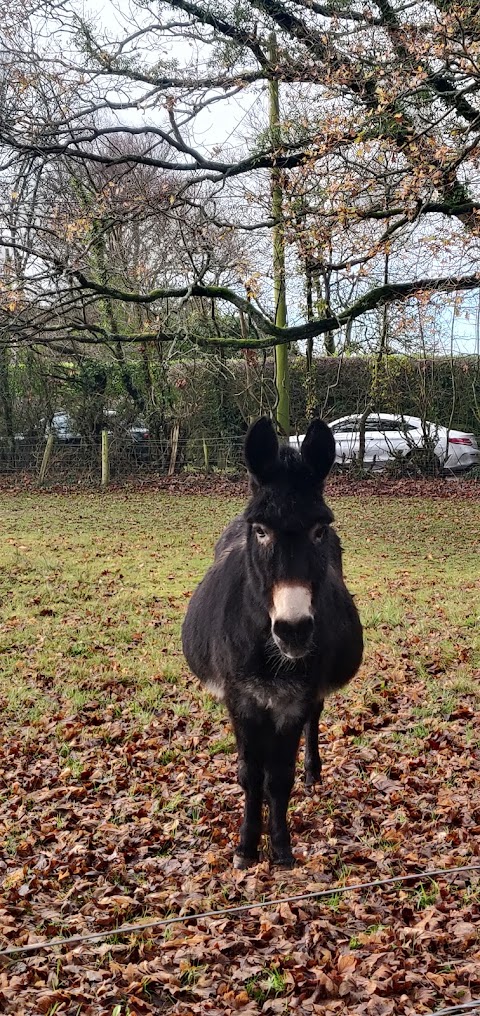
(279, 294)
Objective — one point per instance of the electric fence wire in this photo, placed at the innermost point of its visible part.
(163, 922)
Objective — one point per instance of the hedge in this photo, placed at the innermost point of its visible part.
(219, 398)
(444, 391)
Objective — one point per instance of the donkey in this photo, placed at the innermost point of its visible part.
(272, 628)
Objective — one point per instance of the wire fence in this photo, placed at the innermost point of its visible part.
(140, 457)
(461, 1007)
(127, 456)
(473, 1005)
(163, 922)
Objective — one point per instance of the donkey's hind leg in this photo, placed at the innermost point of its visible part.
(313, 765)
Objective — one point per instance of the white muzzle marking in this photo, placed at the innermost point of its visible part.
(291, 602)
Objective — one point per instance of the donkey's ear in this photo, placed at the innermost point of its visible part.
(318, 449)
(261, 450)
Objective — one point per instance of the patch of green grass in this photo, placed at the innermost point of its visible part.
(192, 973)
(113, 939)
(10, 843)
(464, 682)
(225, 745)
(333, 902)
(167, 756)
(69, 759)
(360, 741)
(174, 802)
(275, 982)
(195, 812)
(181, 709)
(211, 706)
(344, 872)
(471, 896)
(426, 895)
(269, 983)
(91, 593)
(389, 612)
(419, 731)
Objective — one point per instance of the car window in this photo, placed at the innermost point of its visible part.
(346, 427)
(400, 424)
(372, 425)
(382, 424)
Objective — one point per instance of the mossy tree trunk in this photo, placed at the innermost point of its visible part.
(279, 293)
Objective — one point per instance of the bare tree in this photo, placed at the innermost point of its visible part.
(380, 98)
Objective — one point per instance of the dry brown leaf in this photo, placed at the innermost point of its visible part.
(346, 963)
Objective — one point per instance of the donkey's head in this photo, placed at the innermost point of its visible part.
(288, 522)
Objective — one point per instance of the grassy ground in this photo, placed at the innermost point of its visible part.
(118, 792)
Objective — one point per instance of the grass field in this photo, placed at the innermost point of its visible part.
(118, 793)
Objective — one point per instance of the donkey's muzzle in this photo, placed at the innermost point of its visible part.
(293, 637)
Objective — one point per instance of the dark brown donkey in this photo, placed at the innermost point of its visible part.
(272, 628)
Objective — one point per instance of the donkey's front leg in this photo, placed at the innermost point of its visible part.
(250, 776)
(313, 764)
(279, 777)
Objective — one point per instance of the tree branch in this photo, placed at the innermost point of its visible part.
(277, 336)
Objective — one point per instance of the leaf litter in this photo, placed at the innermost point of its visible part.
(119, 799)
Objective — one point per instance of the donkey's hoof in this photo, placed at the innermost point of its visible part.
(284, 861)
(240, 861)
(311, 777)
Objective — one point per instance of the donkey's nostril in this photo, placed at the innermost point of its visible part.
(295, 634)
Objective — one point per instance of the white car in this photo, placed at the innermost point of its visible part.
(63, 427)
(389, 437)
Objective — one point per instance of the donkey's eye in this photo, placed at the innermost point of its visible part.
(263, 535)
(317, 534)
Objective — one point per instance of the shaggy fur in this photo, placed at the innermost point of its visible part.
(272, 628)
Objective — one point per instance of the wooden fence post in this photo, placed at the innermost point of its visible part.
(105, 462)
(174, 453)
(47, 454)
(206, 456)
